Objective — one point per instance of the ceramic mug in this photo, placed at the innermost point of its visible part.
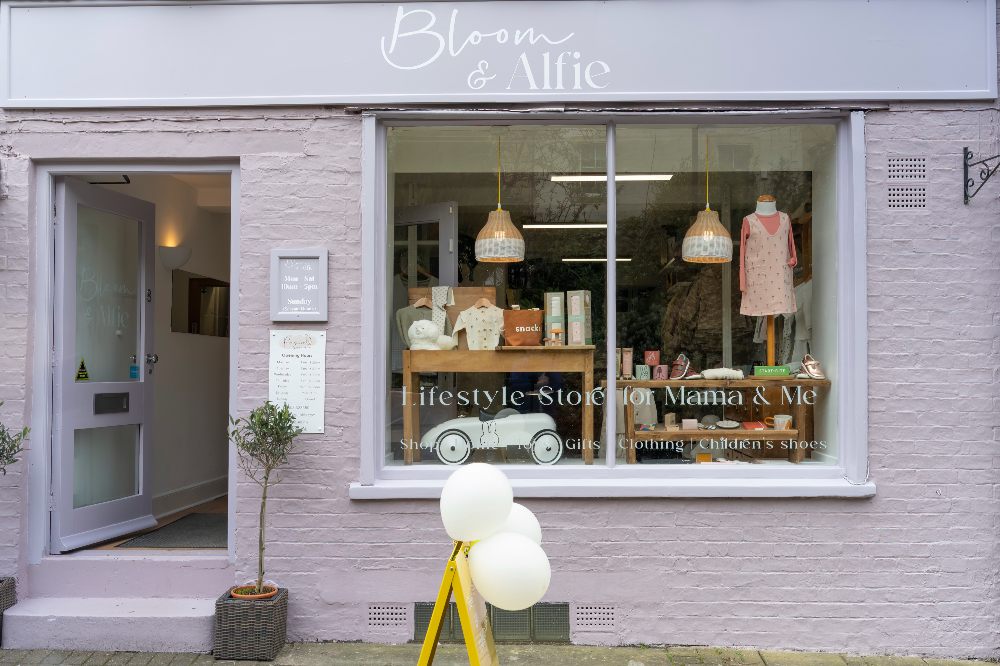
(779, 421)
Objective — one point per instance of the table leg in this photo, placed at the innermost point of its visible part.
(587, 427)
(415, 416)
(411, 412)
(798, 454)
(407, 414)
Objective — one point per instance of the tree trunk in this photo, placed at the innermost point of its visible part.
(260, 534)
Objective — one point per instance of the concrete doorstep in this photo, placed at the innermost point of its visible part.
(367, 654)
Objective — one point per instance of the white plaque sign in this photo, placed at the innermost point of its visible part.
(298, 285)
(297, 375)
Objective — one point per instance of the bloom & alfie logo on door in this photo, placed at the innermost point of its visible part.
(538, 60)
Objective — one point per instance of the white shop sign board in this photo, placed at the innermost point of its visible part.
(297, 375)
(111, 54)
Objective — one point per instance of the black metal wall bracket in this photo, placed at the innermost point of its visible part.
(987, 167)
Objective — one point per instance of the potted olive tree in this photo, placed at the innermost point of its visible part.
(11, 446)
(250, 620)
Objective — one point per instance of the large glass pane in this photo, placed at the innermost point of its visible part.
(530, 330)
(105, 464)
(693, 309)
(107, 295)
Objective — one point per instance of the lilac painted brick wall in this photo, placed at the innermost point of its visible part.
(15, 290)
(913, 570)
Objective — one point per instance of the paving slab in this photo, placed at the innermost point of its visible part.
(801, 659)
(367, 654)
(884, 661)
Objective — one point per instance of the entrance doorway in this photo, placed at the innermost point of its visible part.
(141, 377)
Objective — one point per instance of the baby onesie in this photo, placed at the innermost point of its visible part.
(482, 326)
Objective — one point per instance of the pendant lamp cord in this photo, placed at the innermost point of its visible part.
(498, 173)
(707, 206)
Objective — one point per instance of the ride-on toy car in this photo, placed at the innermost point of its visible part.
(453, 441)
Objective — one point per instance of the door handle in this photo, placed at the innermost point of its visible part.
(152, 358)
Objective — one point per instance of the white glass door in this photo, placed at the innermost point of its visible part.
(104, 366)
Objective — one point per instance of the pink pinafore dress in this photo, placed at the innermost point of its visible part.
(769, 287)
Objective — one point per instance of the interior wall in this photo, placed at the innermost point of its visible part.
(190, 450)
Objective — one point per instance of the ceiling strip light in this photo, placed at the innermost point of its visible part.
(601, 177)
(580, 260)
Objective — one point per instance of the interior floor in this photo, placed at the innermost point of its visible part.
(217, 506)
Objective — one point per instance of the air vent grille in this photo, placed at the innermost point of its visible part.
(907, 196)
(511, 625)
(595, 618)
(387, 616)
(542, 623)
(907, 168)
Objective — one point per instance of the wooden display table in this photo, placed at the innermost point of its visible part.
(800, 411)
(503, 359)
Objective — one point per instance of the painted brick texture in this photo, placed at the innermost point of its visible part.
(15, 291)
(913, 570)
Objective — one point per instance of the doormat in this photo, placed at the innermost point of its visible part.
(195, 530)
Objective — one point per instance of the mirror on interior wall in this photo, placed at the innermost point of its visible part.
(199, 305)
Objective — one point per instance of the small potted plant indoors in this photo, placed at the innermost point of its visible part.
(11, 446)
(250, 620)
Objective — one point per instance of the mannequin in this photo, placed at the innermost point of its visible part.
(766, 205)
(766, 263)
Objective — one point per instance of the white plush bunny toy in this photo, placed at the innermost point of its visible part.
(425, 334)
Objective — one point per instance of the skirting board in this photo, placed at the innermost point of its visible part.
(189, 496)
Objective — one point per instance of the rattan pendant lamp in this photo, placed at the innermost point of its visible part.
(499, 241)
(707, 241)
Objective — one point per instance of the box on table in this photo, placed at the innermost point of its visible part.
(555, 315)
(579, 329)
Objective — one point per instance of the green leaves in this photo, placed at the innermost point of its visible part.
(264, 439)
(11, 444)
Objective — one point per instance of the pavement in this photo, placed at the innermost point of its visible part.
(367, 654)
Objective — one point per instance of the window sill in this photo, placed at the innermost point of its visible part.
(636, 487)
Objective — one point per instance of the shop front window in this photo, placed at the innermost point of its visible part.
(726, 306)
(724, 334)
(497, 283)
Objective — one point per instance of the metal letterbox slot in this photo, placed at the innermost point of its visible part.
(110, 403)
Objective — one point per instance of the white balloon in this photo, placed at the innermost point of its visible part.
(475, 501)
(520, 520)
(510, 570)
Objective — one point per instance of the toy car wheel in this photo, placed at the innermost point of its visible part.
(453, 447)
(546, 447)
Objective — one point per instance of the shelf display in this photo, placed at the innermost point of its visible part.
(756, 438)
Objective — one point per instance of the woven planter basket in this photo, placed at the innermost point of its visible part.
(250, 630)
(8, 597)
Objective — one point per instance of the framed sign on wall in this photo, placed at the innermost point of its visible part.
(298, 284)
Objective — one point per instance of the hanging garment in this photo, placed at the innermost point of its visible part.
(406, 316)
(692, 320)
(766, 262)
(441, 297)
(482, 327)
(803, 321)
(400, 297)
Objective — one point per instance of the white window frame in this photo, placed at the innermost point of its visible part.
(847, 478)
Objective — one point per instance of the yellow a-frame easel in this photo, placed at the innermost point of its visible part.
(476, 628)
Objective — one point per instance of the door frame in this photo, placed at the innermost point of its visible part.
(42, 308)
